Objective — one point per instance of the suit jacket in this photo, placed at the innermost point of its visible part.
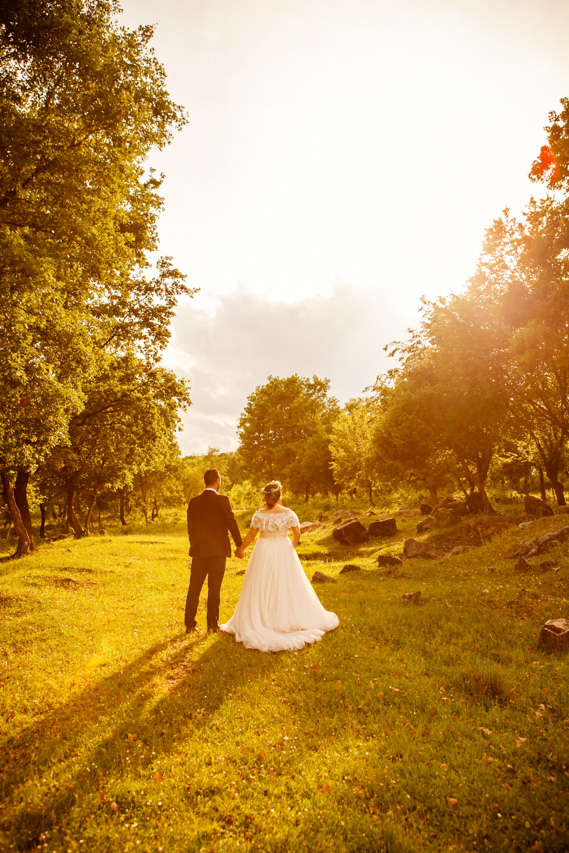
(210, 520)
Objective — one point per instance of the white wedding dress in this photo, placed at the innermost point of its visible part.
(277, 610)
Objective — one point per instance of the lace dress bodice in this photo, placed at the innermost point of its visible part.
(274, 525)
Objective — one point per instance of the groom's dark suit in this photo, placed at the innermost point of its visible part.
(210, 520)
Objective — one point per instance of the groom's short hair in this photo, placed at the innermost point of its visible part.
(211, 476)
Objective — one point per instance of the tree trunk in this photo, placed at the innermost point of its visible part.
(370, 494)
(43, 510)
(90, 509)
(71, 517)
(476, 483)
(542, 492)
(21, 532)
(154, 509)
(557, 487)
(122, 502)
(21, 498)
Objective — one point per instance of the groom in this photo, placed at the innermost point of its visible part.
(210, 517)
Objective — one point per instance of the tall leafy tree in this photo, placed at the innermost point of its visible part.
(284, 432)
(82, 102)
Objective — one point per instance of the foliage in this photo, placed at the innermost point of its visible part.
(82, 102)
(284, 432)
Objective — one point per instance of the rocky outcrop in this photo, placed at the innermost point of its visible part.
(414, 548)
(539, 544)
(536, 508)
(343, 515)
(449, 512)
(308, 526)
(351, 533)
(383, 527)
(426, 524)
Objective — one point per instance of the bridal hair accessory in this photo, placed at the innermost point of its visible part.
(272, 488)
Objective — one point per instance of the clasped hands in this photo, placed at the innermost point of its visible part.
(240, 552)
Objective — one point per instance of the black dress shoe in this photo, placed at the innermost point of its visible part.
(193, 630)
(212, 629)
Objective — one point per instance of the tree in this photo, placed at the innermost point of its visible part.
(284, 432)
(127, 427)
(451, 389)
(82, 102)
(354, 462)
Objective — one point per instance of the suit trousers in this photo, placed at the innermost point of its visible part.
(213, 568)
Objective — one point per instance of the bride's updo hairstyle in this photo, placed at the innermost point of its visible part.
(272, 492)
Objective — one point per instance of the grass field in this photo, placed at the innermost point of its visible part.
(430, 726)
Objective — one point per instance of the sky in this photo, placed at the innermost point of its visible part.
(342, 159)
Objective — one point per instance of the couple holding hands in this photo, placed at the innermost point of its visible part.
(278, 609)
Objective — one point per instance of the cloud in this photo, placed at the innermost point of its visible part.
(227, 352)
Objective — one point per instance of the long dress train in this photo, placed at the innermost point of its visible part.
(278, 609)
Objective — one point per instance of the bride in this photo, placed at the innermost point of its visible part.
(277, 610)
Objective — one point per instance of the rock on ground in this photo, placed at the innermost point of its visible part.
(383, 527)
(351, 533)
(388, 560)
(554, 636)
(320, 577)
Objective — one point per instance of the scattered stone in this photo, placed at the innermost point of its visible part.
(309, 526)
(533, 547)
(343, 515)
(350, 567)
(369, 512)
(522, 566)
(426, 524)
(351, 533)
(536, 508)
(554, 636)
(425, 509)
(388, 560)
(383, 527)
(548, 565)
(414, 548)
(320, 577)
(412, 597)
(458, 549)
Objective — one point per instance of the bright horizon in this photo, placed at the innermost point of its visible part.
(341, 160)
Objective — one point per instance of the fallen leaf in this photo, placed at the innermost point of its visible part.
(484, 731)
(452, 801)
(444, 767)
(158, 777)
(132, 737)
(520, 741)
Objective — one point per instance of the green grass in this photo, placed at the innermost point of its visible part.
(430, 726)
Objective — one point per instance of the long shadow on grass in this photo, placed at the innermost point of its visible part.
(114, 726)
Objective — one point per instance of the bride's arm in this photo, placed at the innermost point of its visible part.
(247, 541)
(295, 535)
